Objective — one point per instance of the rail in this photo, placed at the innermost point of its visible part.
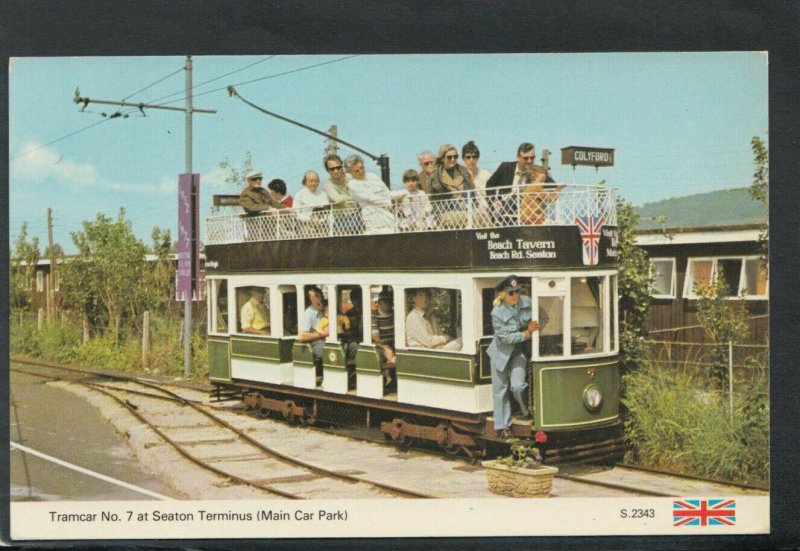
(559, 205)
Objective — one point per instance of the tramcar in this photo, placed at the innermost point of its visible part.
(561, 243)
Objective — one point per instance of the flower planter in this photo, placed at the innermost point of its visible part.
(517, 482)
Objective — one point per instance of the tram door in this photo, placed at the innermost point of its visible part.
(487, 298)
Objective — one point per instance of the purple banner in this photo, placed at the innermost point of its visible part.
(188, 237)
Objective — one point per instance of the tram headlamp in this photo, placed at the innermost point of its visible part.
(592, 398)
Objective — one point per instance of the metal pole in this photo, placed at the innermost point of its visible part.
(187, 309)
(730, 376)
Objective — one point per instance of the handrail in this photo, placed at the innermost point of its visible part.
(556, 205)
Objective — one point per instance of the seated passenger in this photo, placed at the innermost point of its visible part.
(372, 195)
(254, 316)
(311, 196)
(255, 199)
(422, 329)
(277, 190)
(310, 331)
(416, 210)
(427, 164)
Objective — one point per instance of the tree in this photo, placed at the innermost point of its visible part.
(234, 176)
(108, 270)
(635, 284)
(157, 288)
(23, 267)
(759, 189)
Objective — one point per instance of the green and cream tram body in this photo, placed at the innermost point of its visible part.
(564, 255)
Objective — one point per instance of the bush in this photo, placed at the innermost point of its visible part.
(59, 341)
(674, 424)
(23, 336)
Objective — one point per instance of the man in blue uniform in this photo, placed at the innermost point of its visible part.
(513, 326)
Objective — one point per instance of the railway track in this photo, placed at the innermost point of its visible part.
(573, 480)
(213, 430)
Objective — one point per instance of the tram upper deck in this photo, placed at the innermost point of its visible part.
(564, 226)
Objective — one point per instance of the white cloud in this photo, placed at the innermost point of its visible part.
(46, 163)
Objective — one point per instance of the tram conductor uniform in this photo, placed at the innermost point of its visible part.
(511, 321)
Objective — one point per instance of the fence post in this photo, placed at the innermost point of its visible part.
(40, 319)
(85, 329)
(145, 337)
(730, 376)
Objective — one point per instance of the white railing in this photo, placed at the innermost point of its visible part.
(503, 208)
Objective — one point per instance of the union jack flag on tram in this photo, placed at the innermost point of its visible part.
(704, 512)
(589, 227)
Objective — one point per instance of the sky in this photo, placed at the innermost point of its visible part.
(680, 123)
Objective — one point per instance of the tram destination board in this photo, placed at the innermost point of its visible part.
(587, 156)
(517, 247)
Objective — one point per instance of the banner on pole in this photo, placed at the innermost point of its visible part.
(188, 237)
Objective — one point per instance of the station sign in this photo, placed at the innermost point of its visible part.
(587, 156)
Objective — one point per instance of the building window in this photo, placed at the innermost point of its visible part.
(253, 308)
(39, 281)
(755, 282)
(433, 318)
(663, 271)
(743, 276)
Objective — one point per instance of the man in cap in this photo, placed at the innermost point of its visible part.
(513, 326)
(255, 199)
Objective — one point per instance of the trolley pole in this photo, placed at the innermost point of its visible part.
(189, 110)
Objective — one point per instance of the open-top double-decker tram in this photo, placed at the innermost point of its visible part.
(560, 244)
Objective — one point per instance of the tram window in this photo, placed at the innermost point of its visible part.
(433, 318)
(289, 308)
(551, 326)
(350, 315)
(586, 315)
(252, 304)
(221, 306)
(487, 303)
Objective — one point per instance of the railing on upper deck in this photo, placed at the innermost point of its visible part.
(462, 210)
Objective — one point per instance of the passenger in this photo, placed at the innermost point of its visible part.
(346, 218)
(277, 189)
(372, 195)
(309, 326)
(255, 199)
(446, 185)
(536, 195)
(254, 315)
(510, 173)
(416, 210)
(383, 335)
(471, 154)
(427, 164)
(422, 329)
(310, 207)
(513, 326)
(349, 326)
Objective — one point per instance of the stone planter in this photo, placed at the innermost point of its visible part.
(516, 482)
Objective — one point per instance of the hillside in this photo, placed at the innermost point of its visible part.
(717, 208)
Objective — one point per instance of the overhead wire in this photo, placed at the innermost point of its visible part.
(154, 83)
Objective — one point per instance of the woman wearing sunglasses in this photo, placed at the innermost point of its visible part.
(513, 326)
(446, 185)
